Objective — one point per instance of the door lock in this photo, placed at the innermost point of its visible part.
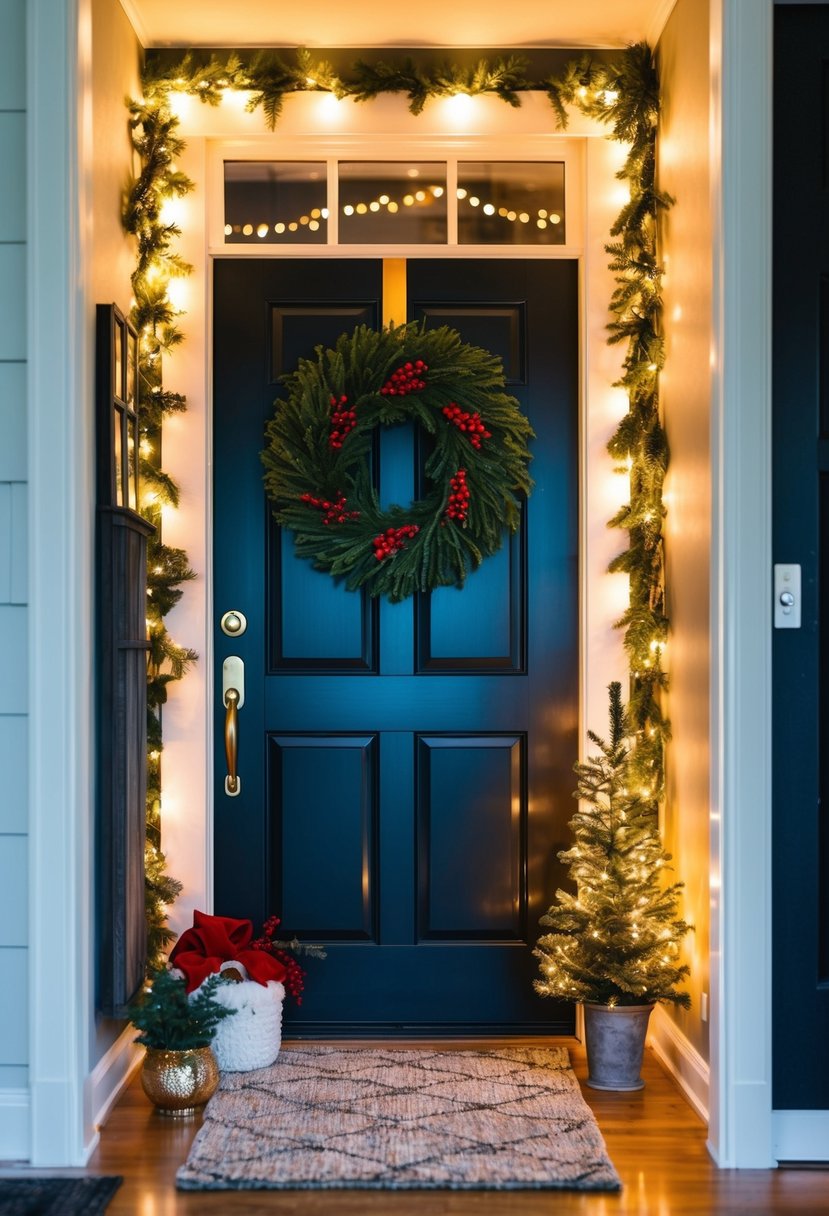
(233, 623)
(787, 597)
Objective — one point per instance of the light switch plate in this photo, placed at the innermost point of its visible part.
(786, 597)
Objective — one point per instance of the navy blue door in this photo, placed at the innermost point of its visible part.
(406, 769)
(800, 756)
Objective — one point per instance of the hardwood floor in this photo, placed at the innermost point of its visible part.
(655, 1140)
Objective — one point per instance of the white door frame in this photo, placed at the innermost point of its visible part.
(740, 1131)
(62, 577)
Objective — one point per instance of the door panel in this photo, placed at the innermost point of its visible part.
(800, 873)
(406, 768)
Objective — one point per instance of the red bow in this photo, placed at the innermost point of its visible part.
(214, 940)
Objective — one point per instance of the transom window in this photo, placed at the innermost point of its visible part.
(405, 202)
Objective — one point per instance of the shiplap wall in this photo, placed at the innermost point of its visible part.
(13, 576)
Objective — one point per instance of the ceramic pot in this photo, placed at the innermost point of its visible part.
(615, 1037)
(178, 1082)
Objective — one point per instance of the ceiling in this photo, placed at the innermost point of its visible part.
(366, 23)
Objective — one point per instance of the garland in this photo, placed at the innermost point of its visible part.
(320, 445)
(154, 139)
(625, 96)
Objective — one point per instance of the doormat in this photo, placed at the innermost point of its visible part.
(56, 1196)
(401, 1119)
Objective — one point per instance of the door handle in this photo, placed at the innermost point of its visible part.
(233, 698)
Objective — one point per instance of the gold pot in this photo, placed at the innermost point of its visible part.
(179, 1081)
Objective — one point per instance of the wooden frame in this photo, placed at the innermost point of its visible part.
(121, 553)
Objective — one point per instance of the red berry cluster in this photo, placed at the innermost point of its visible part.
(407, 379)
(335, 512)
(459, 498)
(343, 421)
(388, 542)
(470, 423)
(294, 979)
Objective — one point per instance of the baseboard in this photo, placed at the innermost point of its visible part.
(107, 1081)
(14, 1125)
(800, 1135)
(681, 1060)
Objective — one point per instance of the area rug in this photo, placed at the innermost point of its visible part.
(329, 1117)
(56, 1196)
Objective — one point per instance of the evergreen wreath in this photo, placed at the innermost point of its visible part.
(321, 443)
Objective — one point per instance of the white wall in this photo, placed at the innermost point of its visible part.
(686, 251)
(14, 1051)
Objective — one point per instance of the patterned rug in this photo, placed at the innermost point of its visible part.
(329, 1117)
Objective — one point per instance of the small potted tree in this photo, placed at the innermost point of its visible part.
(179, 1071)
(614, 943)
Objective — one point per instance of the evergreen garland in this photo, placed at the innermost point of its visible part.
(616, 941)
(625, 96)
(319, 452)
(153, 135)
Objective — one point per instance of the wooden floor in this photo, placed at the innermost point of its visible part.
(655, 1140)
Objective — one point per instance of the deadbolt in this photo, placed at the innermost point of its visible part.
(233, 623)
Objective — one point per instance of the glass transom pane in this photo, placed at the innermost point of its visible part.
(392, 203)
(511, 203)
(276, 202)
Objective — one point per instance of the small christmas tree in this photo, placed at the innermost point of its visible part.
(615, 942)
(170, 1020)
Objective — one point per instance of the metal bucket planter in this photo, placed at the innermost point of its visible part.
(615, 1038)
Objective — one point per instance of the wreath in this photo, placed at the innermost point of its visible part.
(321, 446)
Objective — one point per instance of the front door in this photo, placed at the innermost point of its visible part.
(406, 769)
(800, 756)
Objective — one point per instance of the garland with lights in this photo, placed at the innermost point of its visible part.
(625, 96)
(320, 445)
(154, 139)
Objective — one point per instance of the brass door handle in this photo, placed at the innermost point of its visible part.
(233, 698)
(232, 783)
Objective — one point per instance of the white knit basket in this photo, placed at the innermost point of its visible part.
(252, 1037)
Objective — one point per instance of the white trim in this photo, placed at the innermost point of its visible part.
(801, 1135)
(60, 535)
(110, 1077)
(133, 15)
(741, 1127)
(658, 20)
(14, 1125)
(681, 1059)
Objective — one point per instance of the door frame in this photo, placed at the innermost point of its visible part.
(59, 92)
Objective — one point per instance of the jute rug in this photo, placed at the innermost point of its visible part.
(329, 1117)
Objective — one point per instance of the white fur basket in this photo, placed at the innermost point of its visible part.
(252, 1037)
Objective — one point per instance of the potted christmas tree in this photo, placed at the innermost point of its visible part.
(614, 943)
(179, 1071)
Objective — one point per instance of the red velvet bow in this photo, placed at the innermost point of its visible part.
(214, 940)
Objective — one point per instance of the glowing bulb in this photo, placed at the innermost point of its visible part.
(437, 191)
(262, 231)
(420, 195)
(542, 213)
(413, 173)
(361, 208)
(489, 209)
(555, 218)
(228, 229)
(279, 228)
(293, 226)
(247, 230)
(474, 202)
(408, 200)
(309, 80)
(316, 213)
(324, 213)
(512, 216)
(541, 223)
(393, 208)
(348, 209)
(461, 192)
(374, 206)
(524, 217)
(314, 225)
